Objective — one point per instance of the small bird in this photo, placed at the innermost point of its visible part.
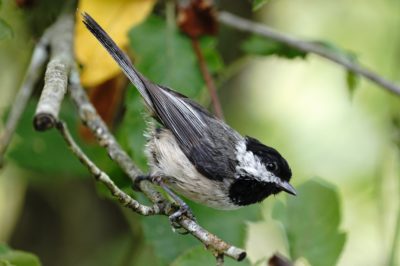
(196, 154)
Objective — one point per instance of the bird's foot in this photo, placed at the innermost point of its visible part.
(174, 218)
(182, 208)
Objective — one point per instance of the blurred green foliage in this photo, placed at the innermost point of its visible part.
(5, 29)
(257, 4)
(10, 257)
(166, 56)
(36, 151)
(46, 153)
(311, 221)
(352, 80)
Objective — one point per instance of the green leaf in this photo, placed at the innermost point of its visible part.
(199, 256)
(165, 56)
(5, 30)
(261, 46)
(133, 127)
(159, 234)
(311, 221)
(352, 80)
(9, 257)
(230, 226)
(213, 58)
(257, 4)
(46, 152)
(43, 151)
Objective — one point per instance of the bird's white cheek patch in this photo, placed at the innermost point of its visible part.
(250, 165)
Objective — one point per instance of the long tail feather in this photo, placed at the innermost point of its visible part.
(119, 56)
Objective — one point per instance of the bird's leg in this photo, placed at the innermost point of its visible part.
(138, 179)
(184, 209)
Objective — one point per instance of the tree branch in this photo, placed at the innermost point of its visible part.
(33, 73)
(306, 46)
(102, 177)
(57, 72)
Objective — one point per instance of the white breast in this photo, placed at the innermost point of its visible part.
(167, 159)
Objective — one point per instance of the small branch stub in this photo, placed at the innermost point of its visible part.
(43, 121)
(57, 73)
(56, 80)
(220, 259)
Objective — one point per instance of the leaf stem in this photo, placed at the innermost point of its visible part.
(208, 79)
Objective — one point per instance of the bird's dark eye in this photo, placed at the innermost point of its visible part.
(272, 166)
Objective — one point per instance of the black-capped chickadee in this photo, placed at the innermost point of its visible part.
(197, 154)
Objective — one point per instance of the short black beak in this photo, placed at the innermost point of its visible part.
(285, 186)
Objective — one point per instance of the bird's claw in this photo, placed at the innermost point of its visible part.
(184, 210)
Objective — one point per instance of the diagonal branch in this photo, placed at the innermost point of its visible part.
(102, 177)
(33, 73)
(306, 46)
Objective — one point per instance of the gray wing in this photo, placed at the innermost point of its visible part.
(207, 142)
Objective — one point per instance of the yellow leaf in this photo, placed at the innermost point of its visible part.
(116, 17)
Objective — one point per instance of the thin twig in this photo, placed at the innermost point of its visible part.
(208, 79)
(211, 241)
(91, 119)
(57, 72)
(102, 177)
(306, 46)
(220, 259)
(33, 73)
